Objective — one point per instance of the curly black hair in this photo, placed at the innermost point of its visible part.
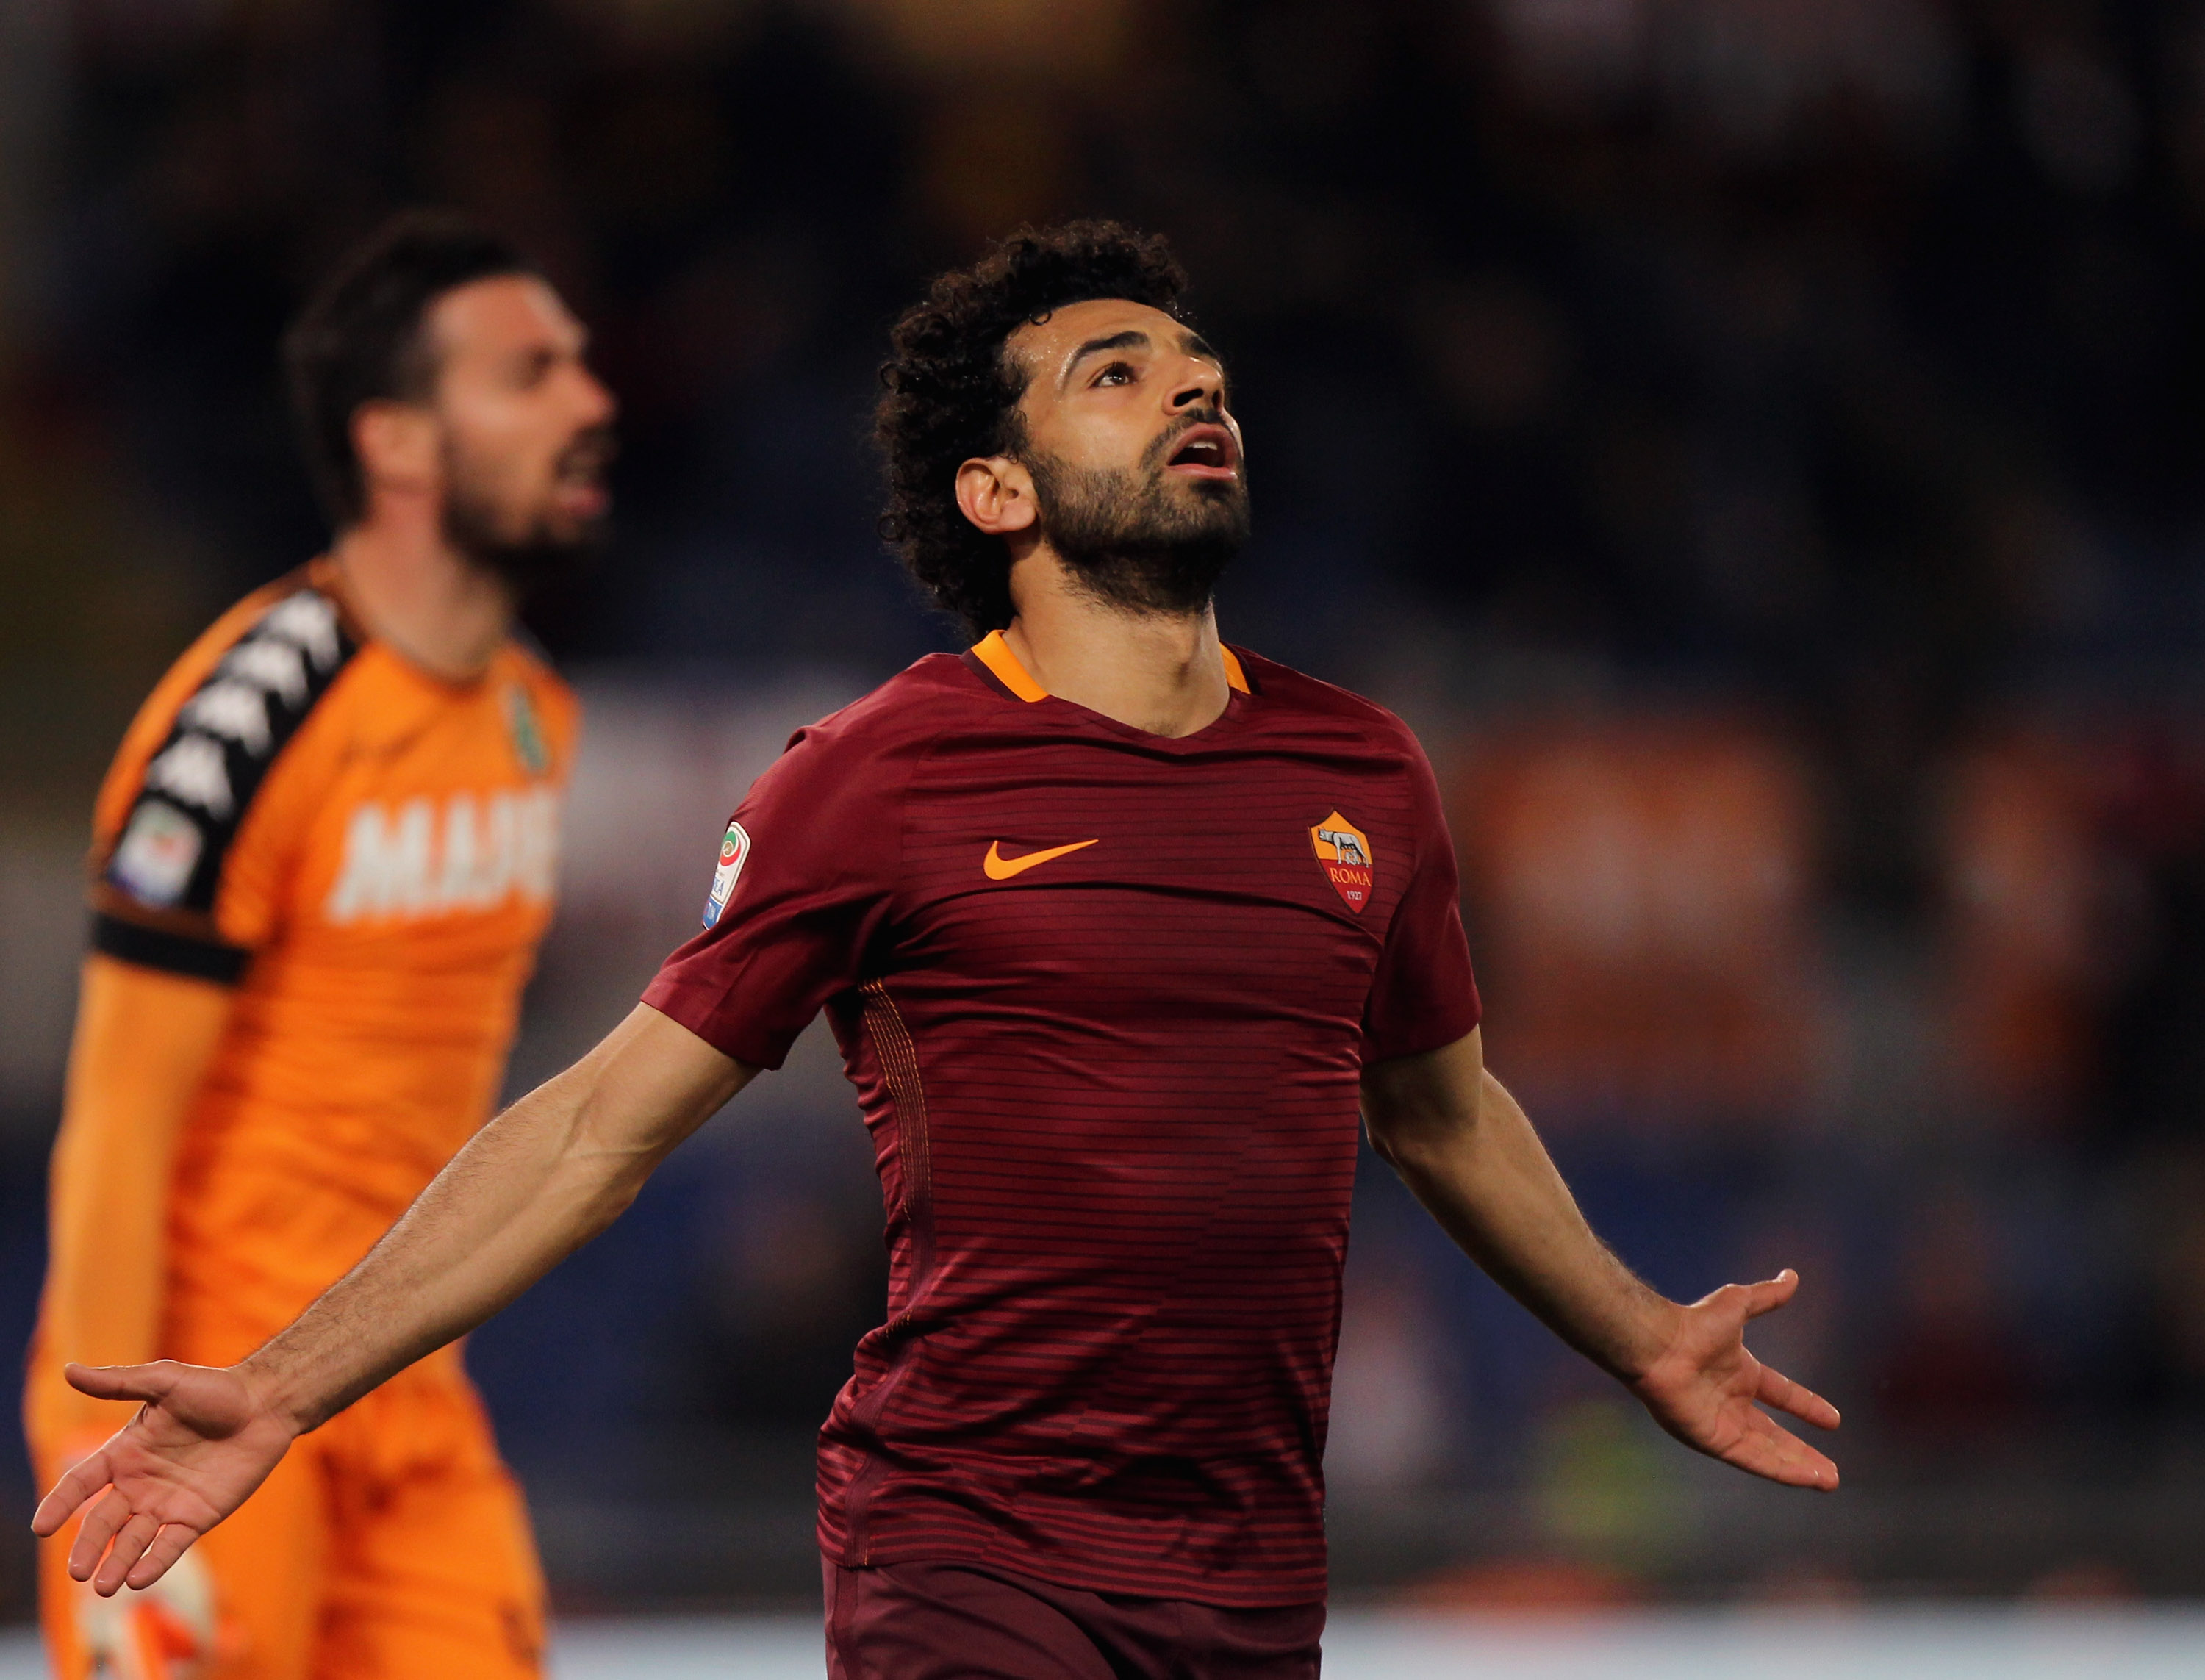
(949, 393)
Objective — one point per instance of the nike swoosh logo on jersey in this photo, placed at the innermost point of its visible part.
(1000, 868)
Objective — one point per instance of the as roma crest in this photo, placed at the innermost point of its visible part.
(1344, 851)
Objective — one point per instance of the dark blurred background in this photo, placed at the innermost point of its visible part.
(1756, 443)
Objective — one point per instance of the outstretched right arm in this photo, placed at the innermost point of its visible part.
(533, 1185)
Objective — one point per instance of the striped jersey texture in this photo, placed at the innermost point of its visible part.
(1104, 997)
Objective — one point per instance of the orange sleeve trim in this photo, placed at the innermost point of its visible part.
(994, 652)
(1234, 674)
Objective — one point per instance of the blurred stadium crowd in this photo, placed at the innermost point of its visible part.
(1756, 443)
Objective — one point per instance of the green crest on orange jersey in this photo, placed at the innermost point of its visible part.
(528, 743)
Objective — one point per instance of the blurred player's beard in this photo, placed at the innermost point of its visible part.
(1136, 539)
(526, 552)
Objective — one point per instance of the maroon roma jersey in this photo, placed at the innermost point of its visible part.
(1104, 997)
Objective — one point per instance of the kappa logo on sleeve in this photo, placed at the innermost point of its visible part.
(734, 850)
(227, 735)
(1344, 851)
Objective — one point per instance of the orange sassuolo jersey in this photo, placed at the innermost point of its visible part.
(366, 852)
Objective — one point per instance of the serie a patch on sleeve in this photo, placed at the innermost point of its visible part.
(198, 786)
(734, 849)
(154, 860)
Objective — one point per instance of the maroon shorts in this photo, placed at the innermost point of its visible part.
(964, 1622)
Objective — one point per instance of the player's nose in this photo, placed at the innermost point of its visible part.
(595, 399)
(1202, 387)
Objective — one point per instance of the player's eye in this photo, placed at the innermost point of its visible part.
(1117, 373)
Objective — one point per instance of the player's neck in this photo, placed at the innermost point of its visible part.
(1161, 673)
(414, 591)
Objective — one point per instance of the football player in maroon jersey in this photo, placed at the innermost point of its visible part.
(1119, 929)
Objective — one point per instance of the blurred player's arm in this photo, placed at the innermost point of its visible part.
(1464, 1146)
(533, 1186)
(145, 1040)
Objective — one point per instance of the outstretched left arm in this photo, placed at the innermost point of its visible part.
(528, 1190)
(1463, 1145)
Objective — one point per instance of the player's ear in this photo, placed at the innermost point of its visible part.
(396, 444)
(997, 495)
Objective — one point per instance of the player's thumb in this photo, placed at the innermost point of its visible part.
(1767, 1296)
(123, 1382)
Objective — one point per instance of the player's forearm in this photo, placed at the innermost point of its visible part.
(506, 1209)
(143, 1044)
(1477, 1165)
(533, 1186)
(105, 1269)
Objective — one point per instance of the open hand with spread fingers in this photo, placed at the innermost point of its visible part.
(1708, 1390)
(202, 1441)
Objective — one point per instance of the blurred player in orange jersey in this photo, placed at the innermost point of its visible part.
(321, 863)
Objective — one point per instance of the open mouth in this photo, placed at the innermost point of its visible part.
(1206, 451)
(585, 461)
(578, 476)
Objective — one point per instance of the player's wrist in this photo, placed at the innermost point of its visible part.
(279, 1398)
(1650, 1332)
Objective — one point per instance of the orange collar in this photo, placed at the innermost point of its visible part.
(994, 652)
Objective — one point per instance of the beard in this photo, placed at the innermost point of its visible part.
(1135, 540)
(531, 551)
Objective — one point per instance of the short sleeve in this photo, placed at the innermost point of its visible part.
(799, 895)
(1423, 995)
(191, 847)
